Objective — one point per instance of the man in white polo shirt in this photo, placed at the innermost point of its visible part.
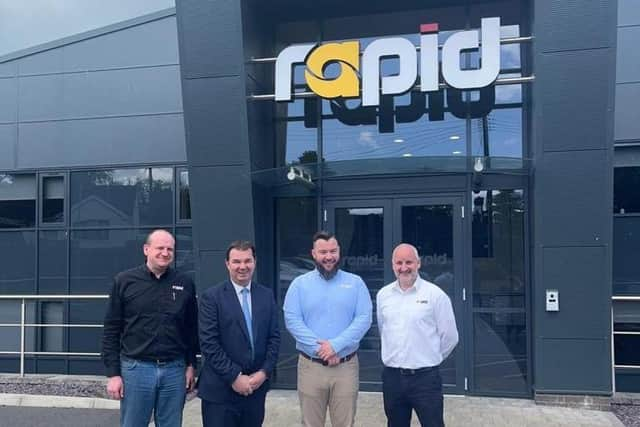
(418, 332)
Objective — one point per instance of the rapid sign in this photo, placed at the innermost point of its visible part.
(360, 74)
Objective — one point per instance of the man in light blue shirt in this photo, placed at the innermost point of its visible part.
(327, 311)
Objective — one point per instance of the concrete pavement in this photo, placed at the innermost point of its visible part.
(283, 411)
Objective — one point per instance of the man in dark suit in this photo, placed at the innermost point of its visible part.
(239, 341)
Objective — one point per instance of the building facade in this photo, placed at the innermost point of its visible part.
(505, 188)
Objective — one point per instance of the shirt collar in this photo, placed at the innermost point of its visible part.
(145, 267)
(415, 288)
(239, 288)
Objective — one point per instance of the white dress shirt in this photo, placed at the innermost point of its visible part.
(417, 326)
(239, 289)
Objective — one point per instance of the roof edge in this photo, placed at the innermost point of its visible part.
(154, 16)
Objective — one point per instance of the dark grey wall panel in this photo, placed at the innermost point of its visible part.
(152, 43)
(223, 204)
(212, 270)
(628, 54)
(8, 136)
(575, 87)
(628, 12)
(8, 100)
(210, 37)
(216, 121)
(576, 359)
(627, 122)
(575, 199)
(102, 93)
(123, 140)
(572, 270)
(572, 25)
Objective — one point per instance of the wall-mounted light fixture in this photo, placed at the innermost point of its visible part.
(299, 174)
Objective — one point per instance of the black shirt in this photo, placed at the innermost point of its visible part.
(150, 318)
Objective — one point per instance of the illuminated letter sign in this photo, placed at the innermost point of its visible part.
(365, 72)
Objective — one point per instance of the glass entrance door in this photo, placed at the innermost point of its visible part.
(368, 230)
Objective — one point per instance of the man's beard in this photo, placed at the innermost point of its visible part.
(327, 274)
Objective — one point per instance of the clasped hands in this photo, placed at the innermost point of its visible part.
(326, 353)
(247, 384)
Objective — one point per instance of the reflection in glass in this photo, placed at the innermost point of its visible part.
(430, 229)
(10, 312)
(53, 199)
(97, 255)
(418, 138)
(18, 250)
(17, 200)
(184, 205)
(51, 338)
(499, 134)
(499, 292)
(52, 262)
(296, 223)
(626, 190)
(360, 233)
(626, 247)
(185, 261)
(122, 197)
(295, 143)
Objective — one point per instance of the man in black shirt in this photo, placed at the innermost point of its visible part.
(151, 338)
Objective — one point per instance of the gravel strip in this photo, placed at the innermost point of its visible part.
(54, 386)
(628, 414)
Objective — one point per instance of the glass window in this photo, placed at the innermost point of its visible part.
(626, 190)
(184, 204)
(499, 292)
(17, 200)
(499, 134)
(296, 143)
(53, 199)
(626, 247)
(51, 338)
(185, 261)
(52, 262)
(122, 197)
(18, 250)
(97, 258)
(297, 221)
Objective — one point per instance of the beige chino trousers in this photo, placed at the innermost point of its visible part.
(335, 387)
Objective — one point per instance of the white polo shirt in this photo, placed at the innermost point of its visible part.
(417, 326)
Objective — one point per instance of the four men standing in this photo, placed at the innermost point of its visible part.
(150, 339)
(327, 311)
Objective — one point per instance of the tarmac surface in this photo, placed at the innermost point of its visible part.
(22, 410)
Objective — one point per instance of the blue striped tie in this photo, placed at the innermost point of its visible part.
(247, 316)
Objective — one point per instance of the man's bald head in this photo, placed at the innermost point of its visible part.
(406, 264)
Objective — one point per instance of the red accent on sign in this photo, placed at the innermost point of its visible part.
(428, 28)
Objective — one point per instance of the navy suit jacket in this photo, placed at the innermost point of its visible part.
(224, 340)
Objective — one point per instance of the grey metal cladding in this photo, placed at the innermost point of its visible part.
(628, 54)
(216, 121)
(113, 140)
(152, 43)
(573, 271)
(8, 135)
(211, 269)
(9, 69)
(102, 93)
(573, 102)
(627, 120)
(628, 12)
(573, 365)
(571, 25)
(8, 100)
(211, 38)
(573, 198)
(221, 201)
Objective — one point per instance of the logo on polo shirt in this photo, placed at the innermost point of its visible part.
(422, 301)
(177, 287)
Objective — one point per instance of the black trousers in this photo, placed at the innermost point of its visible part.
(240, 412)
(421, 391)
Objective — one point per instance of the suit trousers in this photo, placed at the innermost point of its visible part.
(335, 387)
(238, 412)
(404, 391)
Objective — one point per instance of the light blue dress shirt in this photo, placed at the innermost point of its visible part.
(338, 310)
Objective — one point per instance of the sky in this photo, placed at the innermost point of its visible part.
(27, 23)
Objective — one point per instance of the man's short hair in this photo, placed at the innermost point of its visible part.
(241, 245)
(322, 235)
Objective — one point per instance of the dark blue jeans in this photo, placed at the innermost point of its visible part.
(152, 388)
